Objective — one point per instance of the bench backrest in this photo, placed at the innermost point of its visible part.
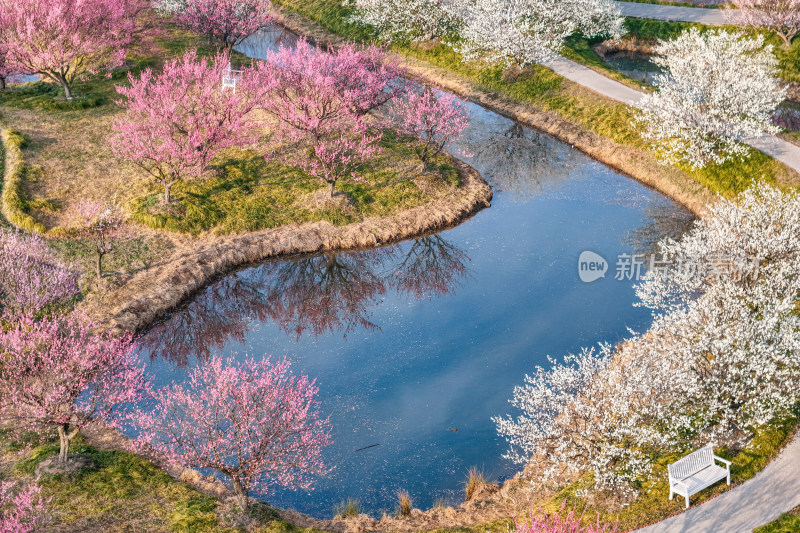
(692, 463)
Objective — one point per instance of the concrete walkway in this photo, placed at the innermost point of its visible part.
(774, 490)
(672, 13)
(784, 151)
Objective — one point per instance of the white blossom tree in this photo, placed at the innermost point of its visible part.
(718, 89)
(713, 368)
(523, 32)
(404, 20)
(780, 16)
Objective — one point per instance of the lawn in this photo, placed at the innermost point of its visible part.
(67, 158)
(541, 88)
(121, 492)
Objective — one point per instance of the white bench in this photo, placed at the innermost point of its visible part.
(695, 472)
(230, 78)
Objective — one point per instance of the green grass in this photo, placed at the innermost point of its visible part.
(544, 89)
(650, 31)
(653, 503)
(92, 91)
(15, 201)
(121, 492)
(497, 526)
(785, 523)
(253, 194)
(580, 49)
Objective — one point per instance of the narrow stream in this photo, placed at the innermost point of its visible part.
(416, 346)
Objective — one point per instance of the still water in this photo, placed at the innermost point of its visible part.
(416, 346)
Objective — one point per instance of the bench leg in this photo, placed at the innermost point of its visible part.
(687, 501)
(671, 494)
(729, 476)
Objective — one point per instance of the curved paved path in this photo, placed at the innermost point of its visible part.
(784, 151)
(673, 13)
(774, 490)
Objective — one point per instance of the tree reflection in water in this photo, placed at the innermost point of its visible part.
(312, 295)
(663, 222)
(517, 160)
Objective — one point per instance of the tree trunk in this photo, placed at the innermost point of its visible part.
(63, 439)
(67, 89)
(241, 496)
(167, 187)
(331, 187)
(2, 83)
(99, 264)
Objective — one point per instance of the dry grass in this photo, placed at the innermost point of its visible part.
(404, 504)
(14, 198)
(475, 480)
(346, 509)
(152, 292)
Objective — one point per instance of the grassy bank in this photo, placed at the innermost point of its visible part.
(65, 158)
(654, 504)
(254, 194)
(121, 492)
(786, 523)
(543, 89)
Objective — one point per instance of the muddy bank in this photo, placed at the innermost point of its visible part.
(151, 293)
(635, 163)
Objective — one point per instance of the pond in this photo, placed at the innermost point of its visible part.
(636, 65)
(416, 346)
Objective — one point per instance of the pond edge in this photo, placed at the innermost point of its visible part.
(152, 293)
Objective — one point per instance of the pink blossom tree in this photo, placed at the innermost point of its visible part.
(32, 278)
(780, 16)
(539, 521)
(6, 73)
(320, 101)
(432, 117)
(63, 40)
(21, 509)
(102, 224)
(59, 374)
(367, 77)
(253, 422)
(225, 22)
(177, 121)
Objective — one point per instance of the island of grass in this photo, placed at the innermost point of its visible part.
(68, 159)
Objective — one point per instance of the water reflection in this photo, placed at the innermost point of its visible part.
(512, 158)
(268, 39)
(662, 221)
(311, 295)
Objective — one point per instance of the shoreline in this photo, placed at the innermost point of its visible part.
(633, 163)
(152, 293)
